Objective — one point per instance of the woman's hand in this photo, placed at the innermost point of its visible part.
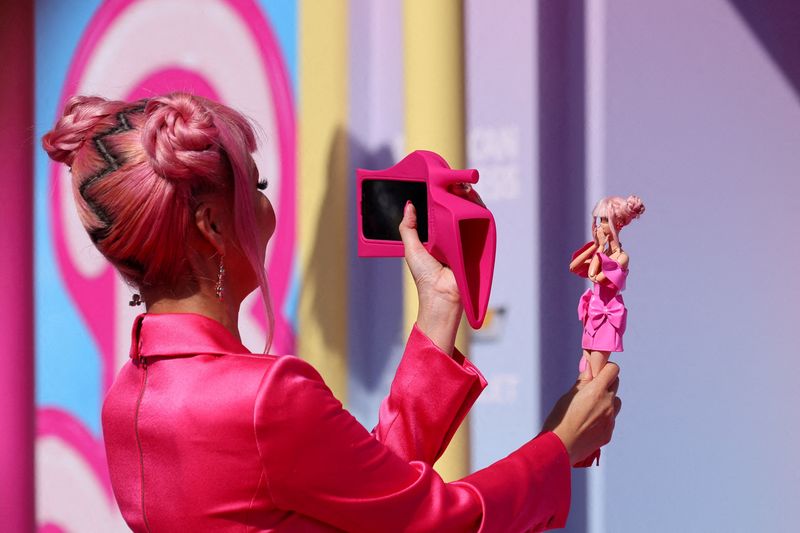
(584, 417)
(440, 305)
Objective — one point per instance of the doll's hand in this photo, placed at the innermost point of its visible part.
(440, 305)
(584, 417)
(602, 238)
(594, 234)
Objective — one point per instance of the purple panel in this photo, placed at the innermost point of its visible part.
(501, 143)
(705, 127)
(375, 134)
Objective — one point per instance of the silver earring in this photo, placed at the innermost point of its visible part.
(220, 279)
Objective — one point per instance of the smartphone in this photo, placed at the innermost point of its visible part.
(382, 204)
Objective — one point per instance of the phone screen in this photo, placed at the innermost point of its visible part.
(382, 203)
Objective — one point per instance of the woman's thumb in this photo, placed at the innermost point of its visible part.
(408, 228)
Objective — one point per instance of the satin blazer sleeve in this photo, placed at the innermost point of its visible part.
(318, 461)
(429, 397)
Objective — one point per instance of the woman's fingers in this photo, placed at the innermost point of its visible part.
(420, 262)
(617, 405)
(614, 385)
(607, 375)
(433, 280)
(408, 229)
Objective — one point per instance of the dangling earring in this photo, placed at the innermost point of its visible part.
(135, 300)
(220, 279)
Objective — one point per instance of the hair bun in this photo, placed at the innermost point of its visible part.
(81, 115)
(635, 206)
(178, 137)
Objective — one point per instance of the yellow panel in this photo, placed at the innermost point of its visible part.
(434, 99)
(322, 179)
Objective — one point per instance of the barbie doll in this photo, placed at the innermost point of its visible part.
(601, 308)
(605, 263)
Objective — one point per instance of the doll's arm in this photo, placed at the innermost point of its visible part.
(582, 258)
(594, 268)
(600, 277)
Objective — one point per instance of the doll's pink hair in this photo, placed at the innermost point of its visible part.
(619, 211)
(137, 170)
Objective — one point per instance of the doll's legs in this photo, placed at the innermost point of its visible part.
(596, 359)
(584, 361)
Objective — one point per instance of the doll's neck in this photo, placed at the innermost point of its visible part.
(612, 246)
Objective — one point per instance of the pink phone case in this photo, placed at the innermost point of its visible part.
(461, 233)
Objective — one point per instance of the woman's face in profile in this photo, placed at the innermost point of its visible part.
(265, 214)
(240, 279)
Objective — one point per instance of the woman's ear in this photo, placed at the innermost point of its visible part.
(207, 218)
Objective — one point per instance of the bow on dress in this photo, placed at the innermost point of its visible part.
(598, 312)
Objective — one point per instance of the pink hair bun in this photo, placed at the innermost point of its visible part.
(178, 136)
(635, 206)
(81, 115)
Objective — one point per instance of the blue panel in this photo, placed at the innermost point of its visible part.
(283, 17)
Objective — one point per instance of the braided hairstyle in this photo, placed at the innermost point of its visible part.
(137, 170)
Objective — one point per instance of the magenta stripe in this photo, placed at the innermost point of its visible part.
(16, 268)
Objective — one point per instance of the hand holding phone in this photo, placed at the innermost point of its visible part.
(453, 223)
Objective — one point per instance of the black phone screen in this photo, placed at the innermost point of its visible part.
(382, 203)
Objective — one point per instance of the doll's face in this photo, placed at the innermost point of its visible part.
(606, 227)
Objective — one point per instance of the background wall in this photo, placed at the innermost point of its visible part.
(226, 50)
(702, 120)
(694, 106)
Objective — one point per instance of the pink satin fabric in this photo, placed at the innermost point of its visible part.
(602, 309)
(202, 435)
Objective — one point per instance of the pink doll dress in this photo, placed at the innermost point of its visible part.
(602, 309)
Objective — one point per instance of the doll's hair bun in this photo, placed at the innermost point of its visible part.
(635, 206)
(179, 137)
(81, 116)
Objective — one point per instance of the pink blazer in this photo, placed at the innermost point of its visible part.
(202, 435)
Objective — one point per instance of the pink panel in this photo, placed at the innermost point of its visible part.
(16, 268)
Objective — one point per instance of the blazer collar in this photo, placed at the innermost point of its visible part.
(171, 334)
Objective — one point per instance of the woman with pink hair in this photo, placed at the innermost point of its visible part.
(201, 434)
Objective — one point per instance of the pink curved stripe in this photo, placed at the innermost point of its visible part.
(55, 422)
(171, 79)
(49, 528)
